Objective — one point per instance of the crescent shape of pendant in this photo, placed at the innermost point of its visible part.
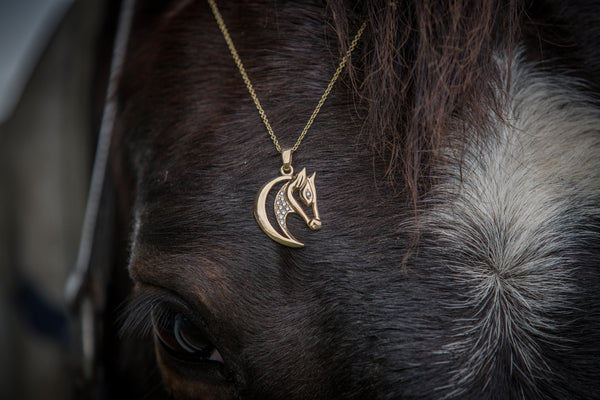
(260, 213)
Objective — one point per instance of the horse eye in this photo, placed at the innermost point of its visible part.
(182, 339)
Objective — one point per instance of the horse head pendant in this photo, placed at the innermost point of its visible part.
(285, 204)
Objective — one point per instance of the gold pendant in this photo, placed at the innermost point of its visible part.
(285, 203)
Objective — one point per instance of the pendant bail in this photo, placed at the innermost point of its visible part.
(286, 156)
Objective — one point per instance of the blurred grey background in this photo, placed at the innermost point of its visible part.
(48, 122)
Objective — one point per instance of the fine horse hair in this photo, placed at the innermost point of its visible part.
(458, 170)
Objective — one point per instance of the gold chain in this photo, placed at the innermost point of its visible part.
(240, 66)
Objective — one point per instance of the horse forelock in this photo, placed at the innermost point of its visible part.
(424, 66)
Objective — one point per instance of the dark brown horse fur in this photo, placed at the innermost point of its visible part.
(458, 175)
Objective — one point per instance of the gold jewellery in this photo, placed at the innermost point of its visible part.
(285, 203)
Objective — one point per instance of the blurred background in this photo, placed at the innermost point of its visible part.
(54, 58)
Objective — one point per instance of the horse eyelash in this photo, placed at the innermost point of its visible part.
(142, 309)
(136, 319)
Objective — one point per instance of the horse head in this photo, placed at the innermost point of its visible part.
(462, 250)
(308, 194)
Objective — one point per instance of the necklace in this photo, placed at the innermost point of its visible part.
(285, 203)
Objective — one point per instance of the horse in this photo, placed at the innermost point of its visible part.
(458, 255)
